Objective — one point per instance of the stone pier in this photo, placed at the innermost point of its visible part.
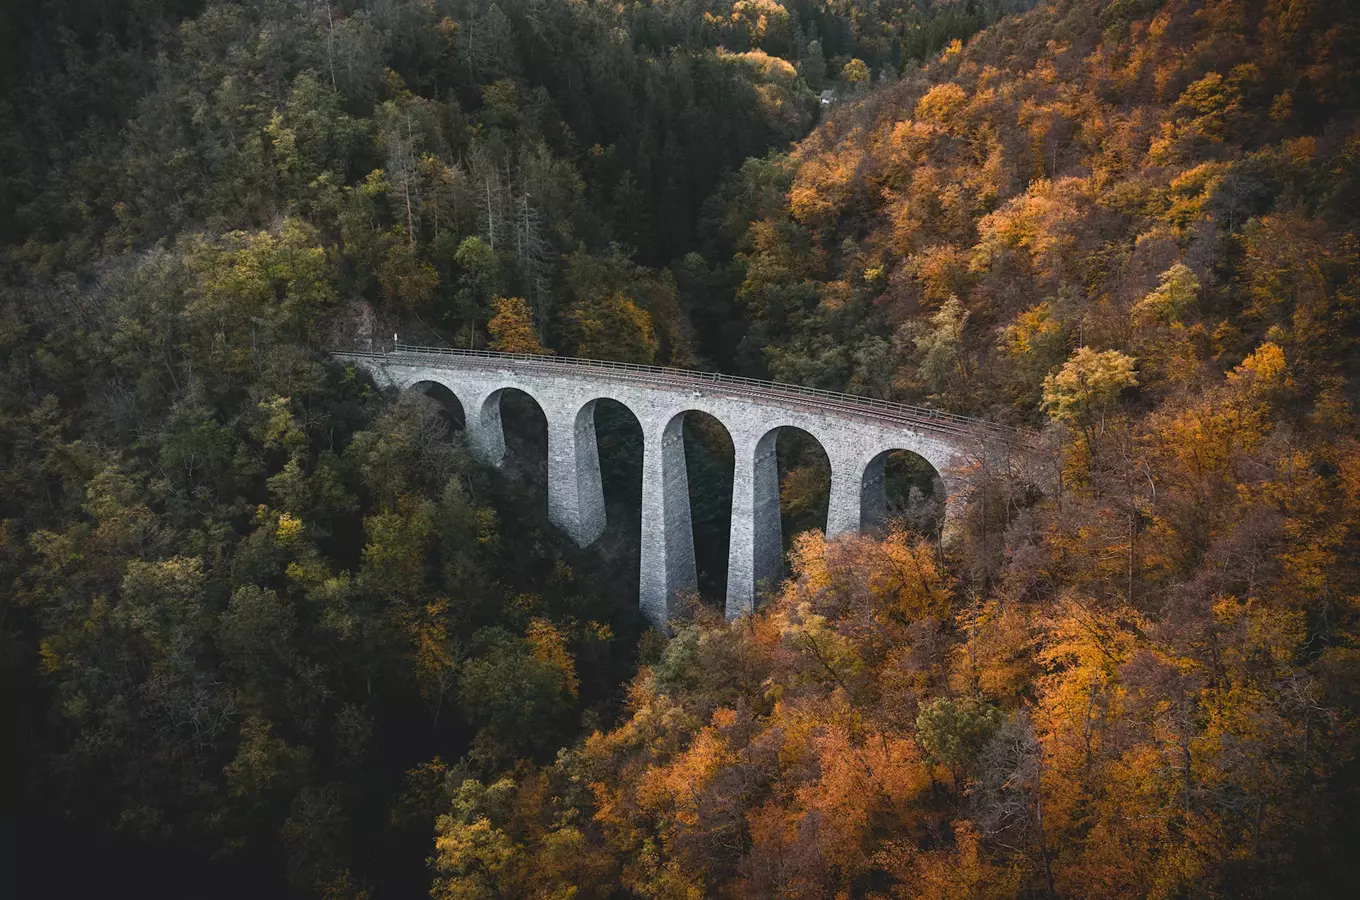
(755, 556)
(575, 495)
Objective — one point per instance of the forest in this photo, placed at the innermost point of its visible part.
(267, 626)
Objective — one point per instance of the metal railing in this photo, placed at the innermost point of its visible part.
(816, 398)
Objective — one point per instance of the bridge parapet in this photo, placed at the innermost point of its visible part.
(776, 391)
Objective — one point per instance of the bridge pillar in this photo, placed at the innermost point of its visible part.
(756, 550)
(575, 495)
(873, 494)
(485, 433)
(859, 495)
(668, 566)
(843, 509)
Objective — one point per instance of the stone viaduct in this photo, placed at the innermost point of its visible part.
(857, 433)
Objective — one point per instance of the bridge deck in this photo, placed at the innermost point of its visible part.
(918, 417)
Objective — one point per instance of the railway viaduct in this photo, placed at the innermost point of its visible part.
(856, 432)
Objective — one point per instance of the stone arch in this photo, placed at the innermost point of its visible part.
(450, 405)
(487, 429)
(756, 554)
(619, 439)
(802, 454)
(710, 446)
(903, 484)
(576, 501)
(668, 561)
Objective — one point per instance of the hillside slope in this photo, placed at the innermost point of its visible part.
(1132, 671)
(260, 618)
(1047, 177)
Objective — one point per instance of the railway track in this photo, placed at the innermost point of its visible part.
(816, 399)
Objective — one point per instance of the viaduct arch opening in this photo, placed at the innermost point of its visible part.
(900, 486)
(444, 401)
(780, 486)
(595, 463)
(619, 440)
(516, 421)
(709, 463)
(804, 483)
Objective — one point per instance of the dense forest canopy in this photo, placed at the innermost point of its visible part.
(267, 627)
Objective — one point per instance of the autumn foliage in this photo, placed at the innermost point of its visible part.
(264, 618)
(1129, 668)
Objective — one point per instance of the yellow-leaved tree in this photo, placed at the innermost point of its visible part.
(1087, 389)
(512, 327)
(611, 326)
